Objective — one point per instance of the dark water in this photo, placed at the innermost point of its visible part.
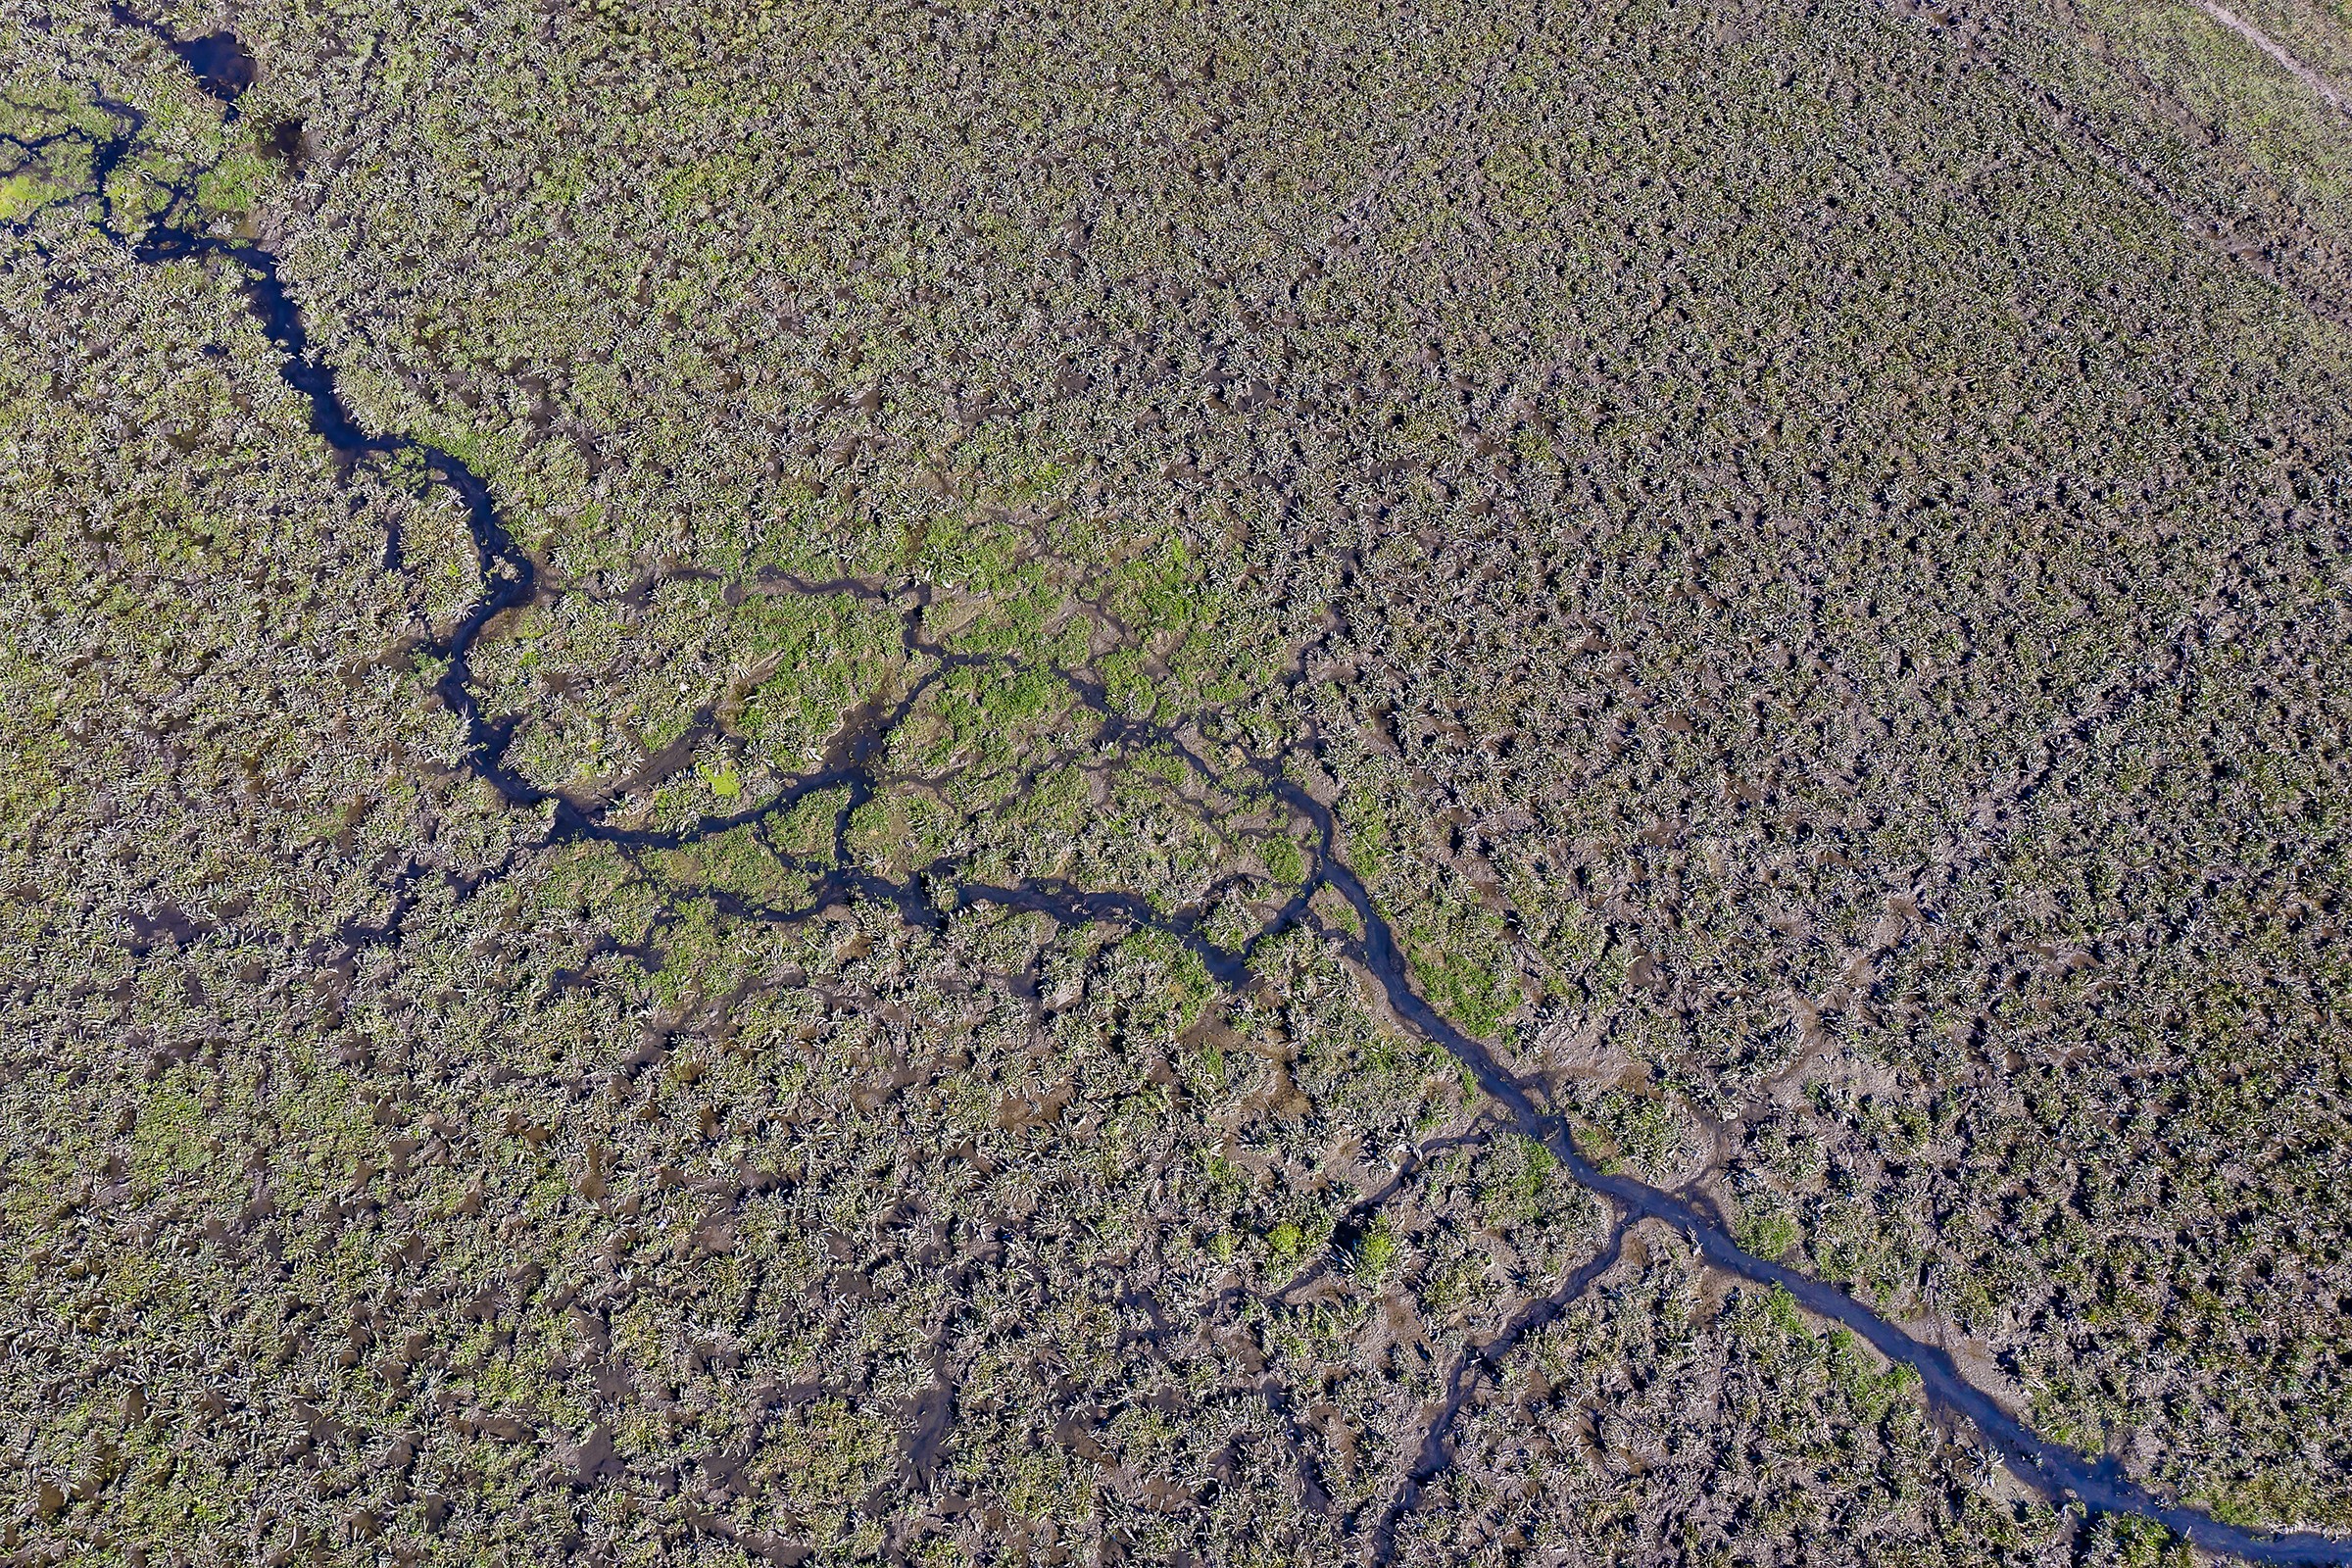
(219, 61)
(2057, 1472)
(224, 69)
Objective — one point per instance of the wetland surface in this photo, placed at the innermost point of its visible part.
(1355, 786)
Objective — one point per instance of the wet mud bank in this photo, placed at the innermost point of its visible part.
(935, 893)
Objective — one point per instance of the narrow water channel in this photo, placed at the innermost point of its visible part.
(510, 577)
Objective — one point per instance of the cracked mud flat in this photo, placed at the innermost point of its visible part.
(955, 896)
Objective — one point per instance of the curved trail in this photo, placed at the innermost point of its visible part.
(935, 892)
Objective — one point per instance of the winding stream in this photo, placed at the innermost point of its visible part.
(930, 895)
